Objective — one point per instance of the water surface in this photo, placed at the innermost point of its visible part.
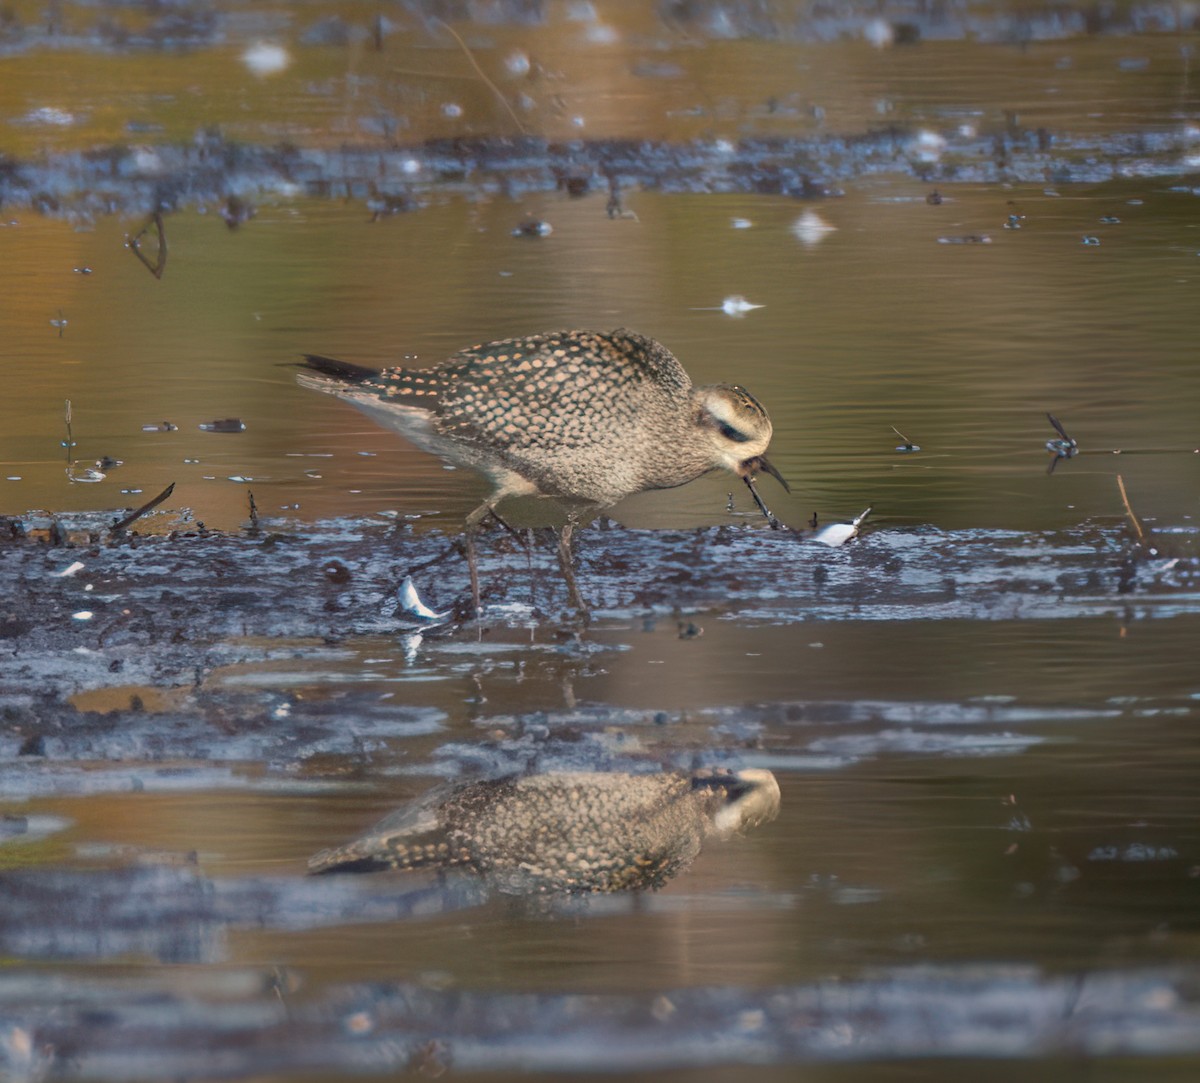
(982, 718)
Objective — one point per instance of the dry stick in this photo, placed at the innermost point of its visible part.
(1129, 511)
(253, 510)
(160, 264)
(483, 75)
(119, 526)
(70, 439)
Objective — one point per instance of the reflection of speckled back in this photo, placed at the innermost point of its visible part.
(567, 832)
(571, 832)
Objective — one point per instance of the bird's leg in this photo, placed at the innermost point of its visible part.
(775, 523)
(472, 528)
(566, 563)
(473, 572)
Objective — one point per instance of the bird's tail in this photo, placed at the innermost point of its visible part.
(374, 854)
(350, 858)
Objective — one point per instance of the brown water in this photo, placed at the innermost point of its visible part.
(963, 348)
(973, 810)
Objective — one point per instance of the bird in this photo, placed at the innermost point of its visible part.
(576, 832)
(584, 417)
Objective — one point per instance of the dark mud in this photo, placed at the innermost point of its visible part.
(164, 609)
(208, 172)
(168, 617)
(131, 1031)
(393, 175)
(109, 26)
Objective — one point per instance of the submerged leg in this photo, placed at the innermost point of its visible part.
(566, 563)
(472, 528)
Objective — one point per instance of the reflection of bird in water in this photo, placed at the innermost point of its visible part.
(585, 417)
(575, 831)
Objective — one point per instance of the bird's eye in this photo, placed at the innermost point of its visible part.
(730, 433)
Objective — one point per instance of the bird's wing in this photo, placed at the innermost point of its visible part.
(557, 389)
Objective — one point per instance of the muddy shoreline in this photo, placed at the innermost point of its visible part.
(165, 611)
(214, 173)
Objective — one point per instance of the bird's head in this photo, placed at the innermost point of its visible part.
(744, 798)
(740, 431)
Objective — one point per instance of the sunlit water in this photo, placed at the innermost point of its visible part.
(971, 796)
(962, 348)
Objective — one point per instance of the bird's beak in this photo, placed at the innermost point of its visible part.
(767, 467)
(749, 468)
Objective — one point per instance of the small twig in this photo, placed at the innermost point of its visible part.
(70, 443)
(483, 75)
(1129, 511)
(120, 525)
(160, 264)
(1064, 447)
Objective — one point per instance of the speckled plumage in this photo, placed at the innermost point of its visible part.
(576, 831)
(579, 415)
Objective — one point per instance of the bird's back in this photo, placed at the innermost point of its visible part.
(578, 414)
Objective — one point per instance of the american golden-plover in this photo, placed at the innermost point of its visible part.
(585, 417)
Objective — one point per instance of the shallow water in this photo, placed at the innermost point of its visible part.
(981, 714)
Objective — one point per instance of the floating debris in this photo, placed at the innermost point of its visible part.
(966, 238)
(1137, 525)
(50, 116)
(839, 533)
(82, 270)
(85, 475)
(740, 223)
(1090, 240)
(1064, 447)
(735, 305)
(928, 146)
(225, 424)
(517, 63)
(908, 445)
(135, 245)
(68, 571)
(265, 58)
(162, 426)
(410, 603)
(810, 228)
(1110, 220)
(236, 210)
(534, 227)
(60, 324)
(83, 614)
(934, 199)
(383, 205)
(75, 472)
(879, 32)
(137, 513)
